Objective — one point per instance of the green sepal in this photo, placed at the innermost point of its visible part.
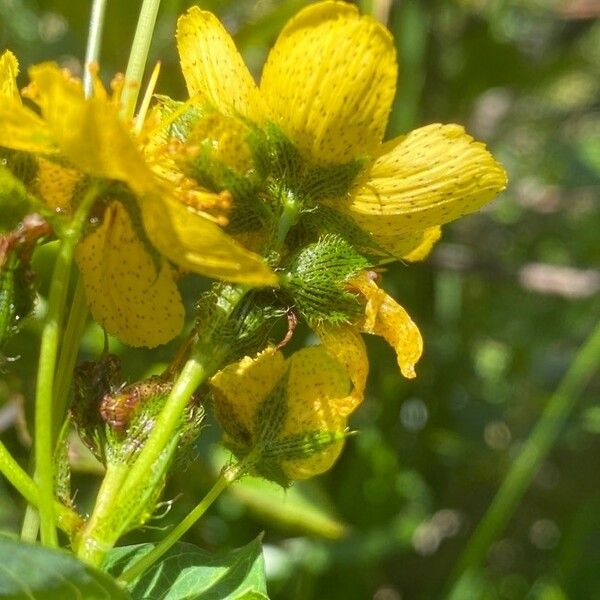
(324, 219)
(269, 419)
(278, 159)
(130, 415)
(270, 416)
(92, 381)
(316, 278)
(183, 124)
(234, 333)
(17, 292)
(62, 465)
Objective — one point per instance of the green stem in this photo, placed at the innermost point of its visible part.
(45, 384)
(68, 520)
(114, 509)
(289, 217)
(92, 52)
(148, 470)
(138, 57)
(44, 398)
(92, 549)
(68, 355)
(31, 524)
(227, 476)
(533, 452)
(202, 364)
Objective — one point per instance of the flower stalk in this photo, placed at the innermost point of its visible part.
(67, 519)
(228, 475)
(51, 337)
(145, 475)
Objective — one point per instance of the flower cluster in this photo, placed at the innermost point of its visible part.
(286, 188)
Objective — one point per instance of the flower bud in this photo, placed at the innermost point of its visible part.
(114, 420)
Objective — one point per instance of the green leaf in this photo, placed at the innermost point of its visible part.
(29, 571)
(188, 573)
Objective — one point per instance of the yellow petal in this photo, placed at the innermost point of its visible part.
(212, 67)
(385, 317)
(226, 136)
(412, 247)
(433, 175)
(240, 387)
(330, 81)
(22, 129)
(346, 345)
(421, 251)
(315, 382)
(88, 132)
(9, 69)
(197, 244)
(55, 184)
(127, 294)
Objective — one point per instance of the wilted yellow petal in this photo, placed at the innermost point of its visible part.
(88, 132)
(126, 292)
(330, 81)
(197, 244)
(433, 175)
(315, 382)
(412, 246)
(55, 184)
(429, 237)
(240, 388)
(385, 317)
(212, 67)
(9, 69)
(346, 345)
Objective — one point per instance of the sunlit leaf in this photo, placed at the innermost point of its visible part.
(187, 572)
(29, 571)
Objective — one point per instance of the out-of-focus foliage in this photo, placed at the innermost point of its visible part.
(504, 302)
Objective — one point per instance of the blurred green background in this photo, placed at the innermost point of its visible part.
(504, 302)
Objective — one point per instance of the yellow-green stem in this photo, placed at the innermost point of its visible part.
(228, 475)
(68, 520)
(138, 56)
(44, 397)
(527, 463)
(192, 375)
(68, 355)
(91, 545)
(143, 473)
(45, 384)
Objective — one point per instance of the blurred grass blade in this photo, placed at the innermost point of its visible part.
(528, 461)
(408, 23)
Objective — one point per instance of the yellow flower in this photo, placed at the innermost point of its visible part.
(328, 84)
(131, 290)
(285, 413)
